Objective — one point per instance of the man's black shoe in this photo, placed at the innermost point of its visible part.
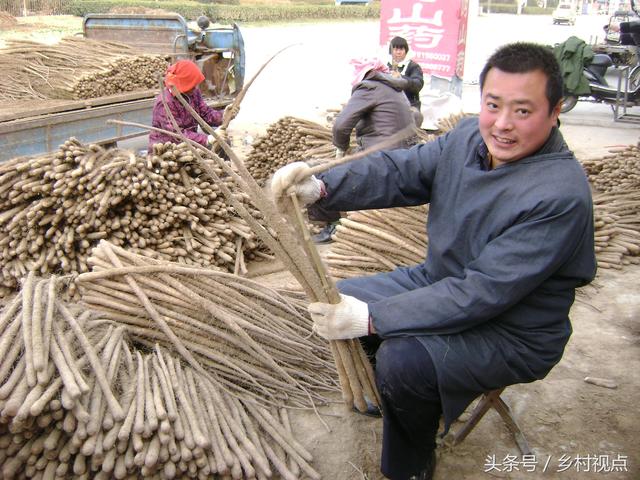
(427, 473)
(371, 411)
(324, 236)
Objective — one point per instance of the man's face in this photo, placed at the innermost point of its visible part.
(398, 54)
(514, 115)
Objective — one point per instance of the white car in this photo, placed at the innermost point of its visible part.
(565, 13)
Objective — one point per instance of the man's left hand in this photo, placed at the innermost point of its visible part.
(340, 321)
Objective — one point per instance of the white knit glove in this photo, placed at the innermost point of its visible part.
(339, 153)
(210, 140)
(294, 178)
(340, 321)
(222, 133)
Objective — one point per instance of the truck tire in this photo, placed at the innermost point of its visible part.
(568, 102)
(634, 78)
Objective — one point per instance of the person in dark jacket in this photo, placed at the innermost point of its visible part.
(511, 236)
(409, 71)
(376, 110)
(184, 76)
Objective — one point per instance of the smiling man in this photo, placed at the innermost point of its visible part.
(510, 238)
(515, 119)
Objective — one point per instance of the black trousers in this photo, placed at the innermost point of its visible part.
(407, 382)
(318, 214)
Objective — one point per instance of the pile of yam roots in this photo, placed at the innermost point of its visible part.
(374, 241)
(616, 183)
(75, 68)
(55, 208)
(161, 371)
(293, 139)
(380, 240)
(288, 140)
(7, 20)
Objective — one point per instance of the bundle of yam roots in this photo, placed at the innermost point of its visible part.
(616, 183)
(288, 140)
(161, 371)
(55, 208)
(75, 68)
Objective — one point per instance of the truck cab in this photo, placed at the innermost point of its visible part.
(217, 50)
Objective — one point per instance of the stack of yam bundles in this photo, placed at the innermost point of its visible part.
(373, 241)
(616, 198)
(75, 68)
(55, 208)
(288, 140)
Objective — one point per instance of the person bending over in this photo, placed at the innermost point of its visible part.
(376, 110)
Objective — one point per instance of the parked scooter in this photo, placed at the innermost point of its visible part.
(596, 71)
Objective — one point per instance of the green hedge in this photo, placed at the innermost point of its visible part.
(189, 10)
(233, 13)
(531, 9)
(538, 11)
(280, 13)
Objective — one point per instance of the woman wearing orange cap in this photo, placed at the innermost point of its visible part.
(183, 76)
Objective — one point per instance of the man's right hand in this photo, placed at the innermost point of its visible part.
(295, 178)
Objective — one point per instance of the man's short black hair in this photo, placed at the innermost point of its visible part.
(398, 42)
(523, 57)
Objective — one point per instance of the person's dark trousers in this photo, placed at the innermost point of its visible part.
(370, 345)
(407, 382)
(319, 214)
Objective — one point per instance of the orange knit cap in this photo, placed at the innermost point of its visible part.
(184, 75)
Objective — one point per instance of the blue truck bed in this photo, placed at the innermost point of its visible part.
(37, 127)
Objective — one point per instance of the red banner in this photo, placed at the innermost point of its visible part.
(436, 31)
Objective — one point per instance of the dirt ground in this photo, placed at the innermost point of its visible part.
(44, 29)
